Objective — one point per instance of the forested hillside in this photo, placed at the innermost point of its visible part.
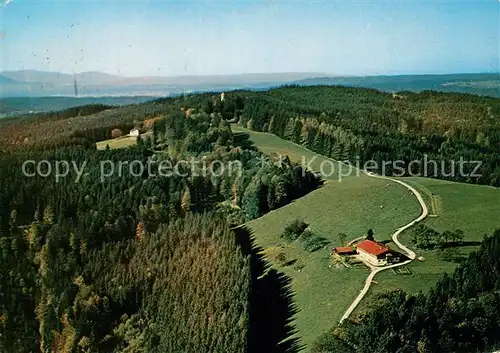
(361, 124)
(349, 124)
(136, 261)
(140, 261)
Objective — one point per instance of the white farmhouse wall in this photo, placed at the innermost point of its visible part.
(370, 258)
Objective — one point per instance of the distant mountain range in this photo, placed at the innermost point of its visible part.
(39, 83)
(57, 78)
(31, 83)
(482, 84)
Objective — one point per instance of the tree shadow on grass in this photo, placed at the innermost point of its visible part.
(272, 308)
(460, 244)
(242, 139)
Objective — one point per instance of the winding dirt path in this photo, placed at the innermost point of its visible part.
(410, 253)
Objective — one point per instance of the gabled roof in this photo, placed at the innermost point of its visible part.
(372, 247)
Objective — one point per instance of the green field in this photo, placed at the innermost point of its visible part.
(119, 142)
(475, 209)
(271, 144)
(351, 206)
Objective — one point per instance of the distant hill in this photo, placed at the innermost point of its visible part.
(243, 79)
(4, 80)
(99, 78)
(57, 78)
(482, 83)
(31, 83)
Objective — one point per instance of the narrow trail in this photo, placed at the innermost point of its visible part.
(410, 253)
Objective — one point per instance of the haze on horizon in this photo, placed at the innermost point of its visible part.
(170, 38)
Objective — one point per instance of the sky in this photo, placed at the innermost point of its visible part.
(171, 38)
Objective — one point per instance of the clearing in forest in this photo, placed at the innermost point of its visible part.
(352, 206)
(324, 290)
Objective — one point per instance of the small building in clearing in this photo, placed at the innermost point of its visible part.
(344, 250)
(134, 132)
(373, 252)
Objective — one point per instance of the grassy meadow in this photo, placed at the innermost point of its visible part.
(119, 142)
(351, 206)
(475, 209)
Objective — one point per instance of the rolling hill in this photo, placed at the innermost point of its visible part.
(4, 80)
(487, 84)
(29, 83)
(57, 78)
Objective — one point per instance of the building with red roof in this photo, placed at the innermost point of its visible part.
(373, 252)
(344, 250)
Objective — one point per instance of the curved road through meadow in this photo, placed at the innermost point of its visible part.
(410, 253)
(395, 239)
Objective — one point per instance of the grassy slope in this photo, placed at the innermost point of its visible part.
(120, 142)
(351, 206)
(474, 209)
